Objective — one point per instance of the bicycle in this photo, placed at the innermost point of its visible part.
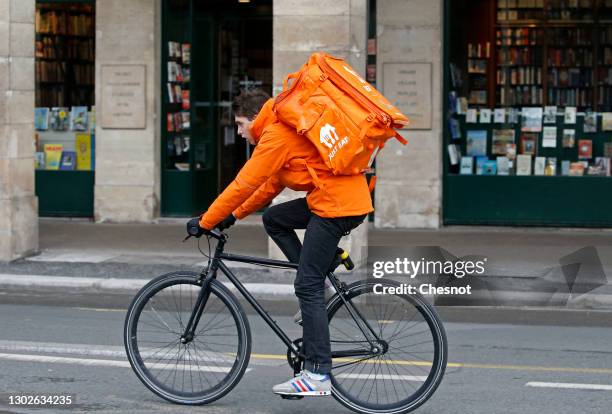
(204, 341)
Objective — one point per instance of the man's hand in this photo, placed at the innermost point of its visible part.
(193, 227)
(227, 222)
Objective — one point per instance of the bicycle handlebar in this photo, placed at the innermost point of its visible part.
(196, 231)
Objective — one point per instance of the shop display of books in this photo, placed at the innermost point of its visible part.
(177, 105)
(64, 52)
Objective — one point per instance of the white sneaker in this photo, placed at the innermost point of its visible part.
(305, 385)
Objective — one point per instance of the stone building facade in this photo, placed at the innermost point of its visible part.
(127, 179)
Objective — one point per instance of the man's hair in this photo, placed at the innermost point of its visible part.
(249, 102)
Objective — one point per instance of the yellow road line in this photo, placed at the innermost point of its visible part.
(464, 365)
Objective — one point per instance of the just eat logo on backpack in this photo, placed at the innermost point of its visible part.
(330, 139)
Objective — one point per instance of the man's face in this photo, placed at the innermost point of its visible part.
(244, 128)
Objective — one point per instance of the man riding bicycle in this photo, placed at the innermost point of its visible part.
(334, 205)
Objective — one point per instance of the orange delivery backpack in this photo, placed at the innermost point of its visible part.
(344, 116)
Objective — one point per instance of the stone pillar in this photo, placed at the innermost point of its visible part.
(18, 204)
(301, 28)
(127, 185)
(408, 191)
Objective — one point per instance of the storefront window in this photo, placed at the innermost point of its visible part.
(64, 114)
(530, 91)
(529, 94)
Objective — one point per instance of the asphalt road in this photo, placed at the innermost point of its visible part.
(493, 368)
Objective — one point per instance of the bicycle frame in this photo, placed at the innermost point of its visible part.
(216, 263)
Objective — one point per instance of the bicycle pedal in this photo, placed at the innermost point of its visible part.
(291, 397)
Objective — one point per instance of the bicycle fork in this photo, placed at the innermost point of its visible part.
(203, 295)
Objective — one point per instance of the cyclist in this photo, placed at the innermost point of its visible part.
(333, 206)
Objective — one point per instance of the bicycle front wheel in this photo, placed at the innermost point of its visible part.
(410, 368)
(201, 370)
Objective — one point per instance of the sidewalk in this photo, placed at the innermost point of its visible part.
(78, 254)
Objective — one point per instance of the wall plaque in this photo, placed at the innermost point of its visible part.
(408, 87)
(123, 97)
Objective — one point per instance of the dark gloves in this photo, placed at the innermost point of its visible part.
(193, 227)
(227, 222)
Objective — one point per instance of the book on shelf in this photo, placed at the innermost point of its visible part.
(462, 105)
(476, 143)
(178, 93)
(601, 167)
(501, 139)
(569, 116)
(576, 169)
(480, 163)
(59, 119)
(170, 122)
(467, 165)
(455, 128)
(529, 143)
(550, 115)
(549, 137)
(84, 153)
(585, 149)
(39, 159)
(511, 151)
(178, 146)
(41, 119)
(185, 121)
(503, 165)
(175, 72)
(68, 160)
(499, 115)
(185, 99)
(170, 89)
(186, 53)
(453, 153)
(551, 166)
(513, 116)
(590, 122)
(174, 50)
(539, 164)
(186, 73)
(565, 167)
(452, 102)
(606, 121)
(569, 138)
(485, 116)
(471, 116)
(523, 164)
(607, 149)
(182, 166)
(531, 119)
(53, 155)
(489, 167)
(79, 120)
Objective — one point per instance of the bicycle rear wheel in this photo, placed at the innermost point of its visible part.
(202, 370)
(404, 376)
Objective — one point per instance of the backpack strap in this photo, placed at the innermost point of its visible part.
(300, 164)
(400, 138)
(289, 77)
(372, 183)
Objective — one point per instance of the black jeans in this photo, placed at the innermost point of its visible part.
(315, 257)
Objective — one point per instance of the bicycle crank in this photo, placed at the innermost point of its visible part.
(295, 362)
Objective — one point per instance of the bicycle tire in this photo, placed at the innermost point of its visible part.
(429, 383)
(186, 281)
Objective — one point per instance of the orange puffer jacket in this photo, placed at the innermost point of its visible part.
(282, 158)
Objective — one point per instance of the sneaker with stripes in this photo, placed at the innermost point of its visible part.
(305, 384)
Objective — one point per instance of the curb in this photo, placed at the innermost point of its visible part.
(282, 291)
(120, 285)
